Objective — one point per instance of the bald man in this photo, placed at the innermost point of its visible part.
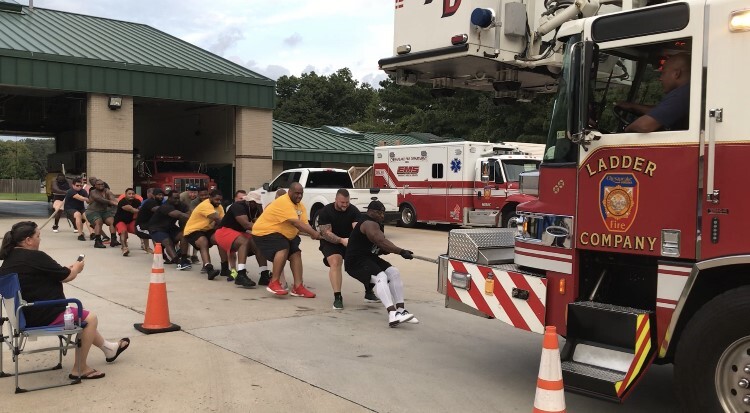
(672, 113)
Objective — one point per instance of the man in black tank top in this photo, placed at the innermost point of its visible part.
(366, 242)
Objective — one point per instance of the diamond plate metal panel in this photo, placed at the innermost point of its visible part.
(464, 244)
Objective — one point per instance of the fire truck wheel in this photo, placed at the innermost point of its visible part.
(511, 221)
(712, 363)
(408, 216)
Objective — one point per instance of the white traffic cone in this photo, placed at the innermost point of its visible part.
(550, 396)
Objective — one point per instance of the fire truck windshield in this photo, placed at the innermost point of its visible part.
(514, 167)
(559, 146)
(176, 166)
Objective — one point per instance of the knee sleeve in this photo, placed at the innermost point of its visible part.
(381, 289)
(395, 284)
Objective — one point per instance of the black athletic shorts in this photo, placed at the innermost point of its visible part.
(194, 236)
(71, 214)
(142, 233)
(363, 269)
(270, 244)
(329, 249)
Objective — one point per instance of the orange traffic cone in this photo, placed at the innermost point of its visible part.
(157, 307)
(550, 396)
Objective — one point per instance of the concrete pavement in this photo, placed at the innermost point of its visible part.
(246, 350)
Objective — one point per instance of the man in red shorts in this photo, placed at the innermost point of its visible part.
(125, 218)
(234, 236)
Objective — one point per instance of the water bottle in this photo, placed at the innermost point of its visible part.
(68, 318)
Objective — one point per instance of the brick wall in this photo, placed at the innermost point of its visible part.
(254, 147)
(109, 140)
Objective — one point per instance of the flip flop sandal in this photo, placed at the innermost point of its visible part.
(125, 252)
(92, 375)
(120, 349)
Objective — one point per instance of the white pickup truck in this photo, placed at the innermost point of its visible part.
(321, 185)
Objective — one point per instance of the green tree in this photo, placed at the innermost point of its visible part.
(16, 161)
(313, 100)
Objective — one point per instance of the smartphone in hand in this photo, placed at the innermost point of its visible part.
(81, 257)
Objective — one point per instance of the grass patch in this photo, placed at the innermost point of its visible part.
(5, 196)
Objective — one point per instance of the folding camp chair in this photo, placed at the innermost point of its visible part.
(15, 333)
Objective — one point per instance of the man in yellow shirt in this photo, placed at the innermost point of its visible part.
(276, 234)
(199, 232)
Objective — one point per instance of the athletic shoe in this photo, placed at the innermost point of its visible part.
(275, 288)
(395, 318)
(203, 270)
(243, 280)
(413, 319)
(265, 277)
(184, 265)
(232, 275)
(226, 273)
(75, 231)
(338, 303)
(55, 228)
(81, 238)
(114, 243)
(105, 238)
(92, 236)
(301, 291)
(98, 243)
(211, 272)
(195, 259)
(370, 297)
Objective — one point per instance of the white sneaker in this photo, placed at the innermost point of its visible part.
(395, 318)
(413, 319)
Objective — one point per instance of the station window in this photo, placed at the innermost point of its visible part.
(437, 170)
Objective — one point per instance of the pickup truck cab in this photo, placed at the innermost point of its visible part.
(320, 186)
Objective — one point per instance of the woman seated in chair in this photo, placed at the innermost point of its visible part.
(42, 278)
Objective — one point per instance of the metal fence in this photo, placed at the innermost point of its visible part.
(19, 186)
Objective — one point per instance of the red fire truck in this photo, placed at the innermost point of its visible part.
(468, 183)
(170, 173)
(636, 248)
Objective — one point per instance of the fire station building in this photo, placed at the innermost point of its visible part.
(109, 91)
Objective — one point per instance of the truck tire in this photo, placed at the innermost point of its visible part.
(314, 216)
(408, 216)
(713, 356)
(510, 220)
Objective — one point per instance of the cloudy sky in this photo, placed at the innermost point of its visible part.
(271, 37)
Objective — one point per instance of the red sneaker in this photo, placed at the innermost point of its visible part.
(301, 291)
(276, 288)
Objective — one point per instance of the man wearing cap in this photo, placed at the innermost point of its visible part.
(276, 235)
(366, 242)
(335, 222)
(234, 237)
(189, 194)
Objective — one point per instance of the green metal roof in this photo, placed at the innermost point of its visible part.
(57, 50)
(391, 139)
(298, 143)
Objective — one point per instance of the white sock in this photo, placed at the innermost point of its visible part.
(240, 267)
(395, 284)
(381, 289)
(109, 348)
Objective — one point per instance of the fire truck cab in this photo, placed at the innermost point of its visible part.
(636, 248)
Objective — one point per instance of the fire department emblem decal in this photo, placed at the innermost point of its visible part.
(618, 198)
(455, 165)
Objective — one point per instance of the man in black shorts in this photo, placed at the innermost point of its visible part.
(335, 222)
(145, 212)
(366, 242)
(163, 225)
(74, 206)
(60, 187)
